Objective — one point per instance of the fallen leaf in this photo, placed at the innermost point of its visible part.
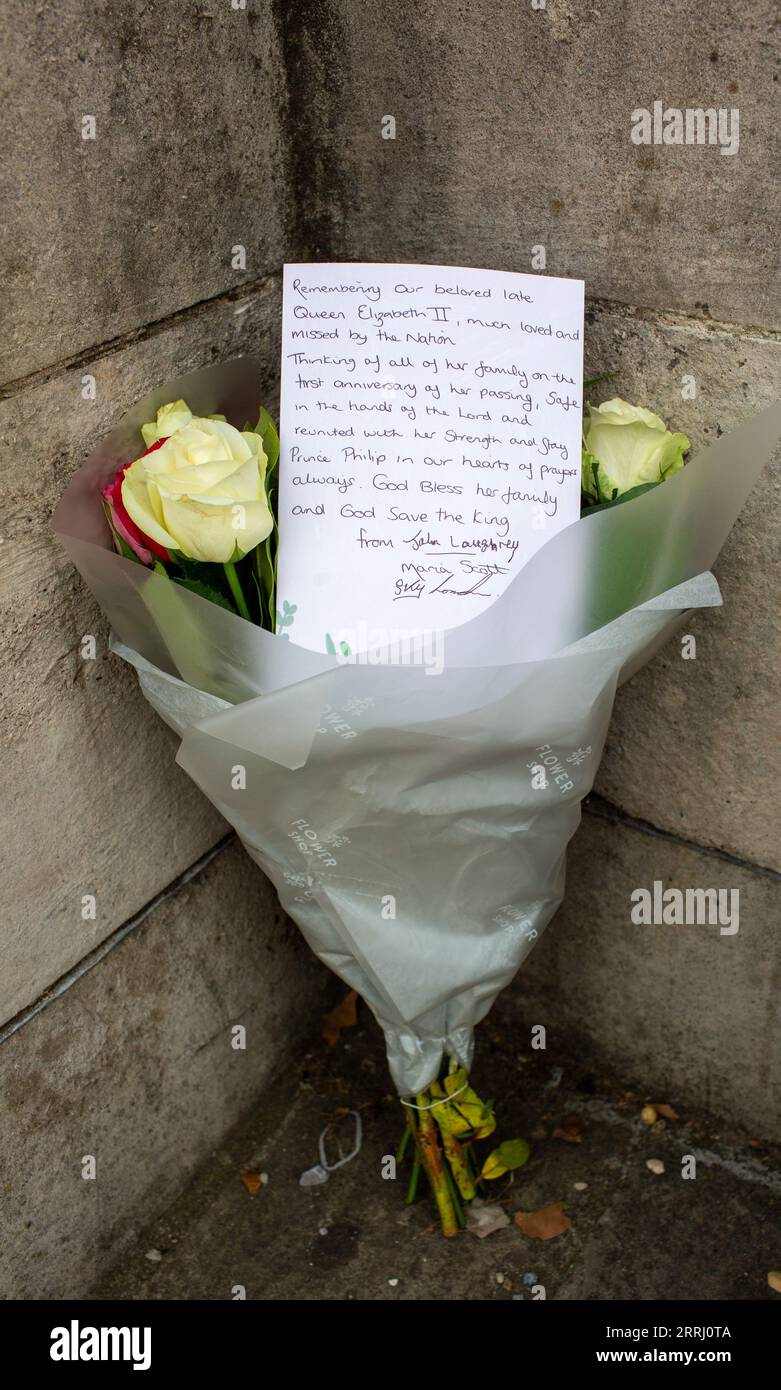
(667, 1111)
(774, 1279)
(569, 1136)
(252, 1181)
(345, 1015)
(544, 1224)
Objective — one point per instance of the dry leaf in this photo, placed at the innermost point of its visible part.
(252, 1181)
(774, 1279)
(544, 1224)
(345, 1015)
(570, 1136)
(667, 1111)
(569, 1130)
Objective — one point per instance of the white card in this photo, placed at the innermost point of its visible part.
(430, 427)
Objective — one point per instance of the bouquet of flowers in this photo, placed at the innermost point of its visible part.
(415, 829)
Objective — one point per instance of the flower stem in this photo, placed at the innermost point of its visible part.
(432, 1158)
(459, 1165)
(405, 1138)
(235, 588)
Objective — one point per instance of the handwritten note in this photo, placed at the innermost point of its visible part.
(430, 425)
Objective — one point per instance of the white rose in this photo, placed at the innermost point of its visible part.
(202, 491)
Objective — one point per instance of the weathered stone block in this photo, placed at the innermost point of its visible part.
(188, 162)
(686, 1010)
(97, 805)
(136, 1065)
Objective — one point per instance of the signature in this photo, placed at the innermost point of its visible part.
(419, 579)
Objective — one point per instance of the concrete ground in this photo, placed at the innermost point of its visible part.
(634, 1235)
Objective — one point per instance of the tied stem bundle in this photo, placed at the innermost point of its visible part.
(443, 1124)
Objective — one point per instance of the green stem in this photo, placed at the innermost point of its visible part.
(235, 588)
(412, 1190)
(402, 1149)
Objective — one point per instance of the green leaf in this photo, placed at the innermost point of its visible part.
(197, 586)
(266, 554)
(594, 380)
(513, 1153)
(264, 614)
(616, 501)
(330, 645)
(269, 438)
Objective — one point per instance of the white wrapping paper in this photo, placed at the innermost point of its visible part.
(415, 824)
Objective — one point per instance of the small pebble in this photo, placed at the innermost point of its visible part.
(154, 1255)
(529, 1280)
(774, 1279)
(324, 1230)
(580, 1186)
(648, 1115)
(655, 1165)
(499, 1278)
(393, 1283)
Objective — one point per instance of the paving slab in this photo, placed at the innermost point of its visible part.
(634, 1235)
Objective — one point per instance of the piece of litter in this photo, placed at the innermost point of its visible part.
(154, 1255)
(393, 1283)
(655, 1165)
(315, 1176)
(483, 1218)
(580, 1186)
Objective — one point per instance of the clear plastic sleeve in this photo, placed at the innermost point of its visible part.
(415, 823)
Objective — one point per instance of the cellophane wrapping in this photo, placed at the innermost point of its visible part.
(414, 819)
